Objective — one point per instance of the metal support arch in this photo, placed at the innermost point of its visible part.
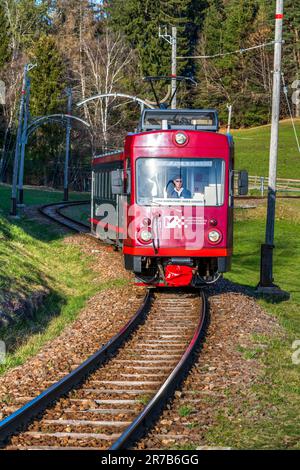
(62, 119)
(141, 102)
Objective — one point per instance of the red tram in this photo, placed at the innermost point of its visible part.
(167, 198)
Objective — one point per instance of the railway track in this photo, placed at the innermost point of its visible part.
(111, 399)
(54, 213)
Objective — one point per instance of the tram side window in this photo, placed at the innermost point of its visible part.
(97, 185)
(111, 196)
(106, 184)
(102, 186)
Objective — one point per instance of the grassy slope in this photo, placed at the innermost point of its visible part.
(252, 150)
(268, 417)
(34, 196)
(30, 252)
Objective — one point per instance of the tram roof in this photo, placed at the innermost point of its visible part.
(179, 119)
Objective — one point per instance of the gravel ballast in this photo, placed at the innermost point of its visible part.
(103, 316)
(221, 373)
(220, 370)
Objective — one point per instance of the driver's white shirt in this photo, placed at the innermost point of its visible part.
(178, 192)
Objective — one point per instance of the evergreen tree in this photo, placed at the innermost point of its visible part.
(4, 38)
(227, 28)
(47, 97)
(240, 15)
(26, 20)
(291, 35)
(140, 20)
(48, 78)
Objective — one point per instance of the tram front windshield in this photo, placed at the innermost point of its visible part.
(192, 181)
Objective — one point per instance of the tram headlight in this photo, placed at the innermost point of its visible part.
(180, 138)
(145, 235)
(214, 236)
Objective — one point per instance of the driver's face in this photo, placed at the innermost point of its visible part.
(178, 184)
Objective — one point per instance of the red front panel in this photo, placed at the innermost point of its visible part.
(178, 230)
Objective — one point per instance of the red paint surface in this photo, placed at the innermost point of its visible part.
(161, 144)
(204, 252)
(108, 158)
(177, 276)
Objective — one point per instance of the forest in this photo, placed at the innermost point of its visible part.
(108, 46)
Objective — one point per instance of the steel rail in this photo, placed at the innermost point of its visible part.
(148, 415)
(62, 205)
(15, 422)
(28, 412)
(82, 224)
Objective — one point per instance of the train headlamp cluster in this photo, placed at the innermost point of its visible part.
(145, 235)
(180, 138)
(214, 236)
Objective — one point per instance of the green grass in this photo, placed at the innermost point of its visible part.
(267, 416)
(252, 150)
(144, 399)
(33, 255)
(185, 410)
(36, 196)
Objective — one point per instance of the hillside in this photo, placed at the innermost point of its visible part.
(252, 150)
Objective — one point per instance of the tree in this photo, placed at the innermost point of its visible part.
(48, 82)
(4, 38)
(235, 78)
(100, 61)
(105, 59)
(140, 21)
(48, 78)
(22, 22)
(27, 20)
(291, 55)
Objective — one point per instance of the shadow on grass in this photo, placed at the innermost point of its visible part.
(227, 286)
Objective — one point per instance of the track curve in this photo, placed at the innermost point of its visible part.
(111, 399)
(54, 212)
(109, 402)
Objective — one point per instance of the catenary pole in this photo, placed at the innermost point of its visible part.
(13, 211)
(68, 135)
(23, 142)
(172, 40)
(266, 272)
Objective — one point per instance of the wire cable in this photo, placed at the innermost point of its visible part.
(285, 91)
(224, 54)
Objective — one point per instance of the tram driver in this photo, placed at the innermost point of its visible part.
(179, 191)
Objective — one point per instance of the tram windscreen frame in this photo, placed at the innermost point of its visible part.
(203, 181)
